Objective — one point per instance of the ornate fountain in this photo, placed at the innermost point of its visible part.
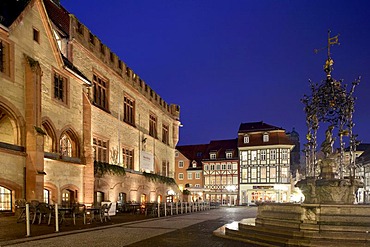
(330, 179)
(329, 215)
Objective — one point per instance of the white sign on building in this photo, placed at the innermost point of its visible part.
(146, 161)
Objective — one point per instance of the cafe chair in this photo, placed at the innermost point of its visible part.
(79, 210)
(104, 213)
(43, 210)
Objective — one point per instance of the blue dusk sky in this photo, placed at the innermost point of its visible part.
(234, 61)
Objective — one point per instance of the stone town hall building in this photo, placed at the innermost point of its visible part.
(67, 104)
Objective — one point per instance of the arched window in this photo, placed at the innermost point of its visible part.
(6, 128)
(5, 199)
(68, 144)
(47, 196)
(49, 138)
(65, 145)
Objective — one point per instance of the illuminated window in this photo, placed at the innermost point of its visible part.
(5, 199)
(100, 150)
(254, 172)
(272, 154)
(246, 139)
(229, 155)
(197, 175)
(212, 156)
(263, 154)
(263, 173)
(66, 145)
(284, 154)
(194, 164)
(46, 196)
(100, 92)
(265, 137)
(190, 175)
(254, 155)
(181, 176)
(244, 156)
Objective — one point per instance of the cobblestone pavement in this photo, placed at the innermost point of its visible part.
(193, 229)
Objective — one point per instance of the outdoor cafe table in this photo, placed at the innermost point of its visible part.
(63, 212)
(93, 213)
(135, 207)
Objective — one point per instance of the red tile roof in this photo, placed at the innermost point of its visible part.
(58, 15)
(256, 126)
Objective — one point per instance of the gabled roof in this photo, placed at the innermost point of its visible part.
(364, 158)
(221, 146)
(193, 152)
(58, 15)
(256, 127)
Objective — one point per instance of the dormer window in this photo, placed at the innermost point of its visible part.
(194, 164)
(212, 156)
(265, 137)
(229, 155)
(246, 139)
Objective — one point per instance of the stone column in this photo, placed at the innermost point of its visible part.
(88, 159)
(34, 134)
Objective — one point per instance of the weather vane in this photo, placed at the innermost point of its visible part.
(331, 41)
(328, 67)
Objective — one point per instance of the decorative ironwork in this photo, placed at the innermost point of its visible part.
(330, 103)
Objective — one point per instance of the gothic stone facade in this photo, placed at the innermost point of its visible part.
(67, 100)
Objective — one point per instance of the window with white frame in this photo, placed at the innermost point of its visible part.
(246, 139)
(272, 154)
(244, 156)
(181, 164)
(254, 155)
(194, 164)
(190, 175)
(197, 175)
(229, 155)
(284, 154)
(212, 167)
(181, 176)
(263, 154)
(265, 137)
(212, 156)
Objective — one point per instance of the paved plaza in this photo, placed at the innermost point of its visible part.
(181, 230)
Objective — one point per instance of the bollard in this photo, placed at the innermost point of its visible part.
(181, 207)
(56, 218)
(28, 227)
(165, 209)
(186, 207)
(171, 208)
(177, 207)
(159, 210)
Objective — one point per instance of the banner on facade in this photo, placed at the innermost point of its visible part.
(146, 161)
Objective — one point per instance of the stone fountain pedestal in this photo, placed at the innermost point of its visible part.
(327, 218)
